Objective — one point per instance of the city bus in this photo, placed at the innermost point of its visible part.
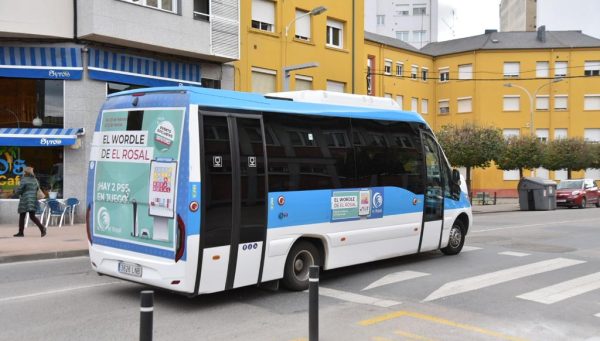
(200, 190)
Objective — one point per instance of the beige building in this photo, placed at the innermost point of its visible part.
(518, 15)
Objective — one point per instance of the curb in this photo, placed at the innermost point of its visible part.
(45, 255)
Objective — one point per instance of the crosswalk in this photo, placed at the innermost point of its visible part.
(557, 291)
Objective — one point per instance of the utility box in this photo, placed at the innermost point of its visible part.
(537, 194)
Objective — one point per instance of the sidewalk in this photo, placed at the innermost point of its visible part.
(71, 241)
(60, 242)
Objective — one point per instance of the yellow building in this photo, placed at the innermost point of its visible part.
(290, 33)
(467, 82)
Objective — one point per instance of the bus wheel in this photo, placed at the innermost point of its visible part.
(457, 239)
(302, 255)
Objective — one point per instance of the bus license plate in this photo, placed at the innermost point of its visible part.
(130, 269)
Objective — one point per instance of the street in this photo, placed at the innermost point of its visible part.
(521, 276)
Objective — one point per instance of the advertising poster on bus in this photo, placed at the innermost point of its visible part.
(135, 156)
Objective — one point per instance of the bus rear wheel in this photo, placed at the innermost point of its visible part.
(302, 256)
(457, 239)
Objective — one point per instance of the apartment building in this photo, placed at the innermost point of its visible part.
(60, 59)
(466, 82)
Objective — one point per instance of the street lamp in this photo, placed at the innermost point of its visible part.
(286, 69)
(511, 85)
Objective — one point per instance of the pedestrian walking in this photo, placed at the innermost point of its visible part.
(28, 196)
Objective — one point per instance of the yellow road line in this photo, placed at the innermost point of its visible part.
(438, 320)
(412, 336)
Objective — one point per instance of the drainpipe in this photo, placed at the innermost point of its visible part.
(75, 21)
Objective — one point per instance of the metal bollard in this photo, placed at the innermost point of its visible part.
(146, 315)
(313, 303)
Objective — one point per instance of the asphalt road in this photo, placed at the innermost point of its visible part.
(522, 276)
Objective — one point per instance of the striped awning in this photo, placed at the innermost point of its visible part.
(39, 137)
(125, 68)
(40, 62)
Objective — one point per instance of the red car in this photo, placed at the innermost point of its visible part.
(577, 192)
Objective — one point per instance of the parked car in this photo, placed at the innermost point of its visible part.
(577, 192)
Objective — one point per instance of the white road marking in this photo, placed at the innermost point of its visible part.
(564, 290)
(514, 254)
(356, 298)
(597, 315)
(531, 225)
(51, 292)
(496, 277)
(470, 248)
(394, 278)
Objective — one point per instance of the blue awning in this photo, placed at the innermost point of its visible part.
(40, 62)
(125, 68)
(39, 137)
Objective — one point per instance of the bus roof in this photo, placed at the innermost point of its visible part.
(228, 99)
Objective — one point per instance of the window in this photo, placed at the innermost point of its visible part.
(387, 95)
(511, 103)
(561, 102)
(542, 102)
(335, 33)
(444, 74)
(165, 5)
(336, 86)
(19, 104)
(510, 174)
(592, 68)
(419, 36)
(413, 71)
(380, 20)
(542, 134)
(465, 71)
(399, 69)
(400, 101)
(303, 82)
(560, 69)
(263, 15)
(263, 80)
(302, 25)
(387, 67)
(424, 72)
(542, 69)
(371, 75)
(201, 10)
(465, 104)
(414, 104)
(592, 135)
(591, 102)
(560, 133)
(402, 9)
(444, 107)
(511, 69)
(424, 106)
(419, 9)
(402, 35)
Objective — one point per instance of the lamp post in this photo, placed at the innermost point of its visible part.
(511, 85)
(286, 69)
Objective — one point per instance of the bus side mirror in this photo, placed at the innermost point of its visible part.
(456, 177)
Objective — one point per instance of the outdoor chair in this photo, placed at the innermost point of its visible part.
(56, 210)
(40, 211)
(71, 204)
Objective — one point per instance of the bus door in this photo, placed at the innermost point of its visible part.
(433, 214)
(234, 195)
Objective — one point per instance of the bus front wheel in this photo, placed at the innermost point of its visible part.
(457, 239)
(302, 255)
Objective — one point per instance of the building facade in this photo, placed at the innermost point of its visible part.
(60, 59)
(466, 82)
(518, 15)
(294, 35)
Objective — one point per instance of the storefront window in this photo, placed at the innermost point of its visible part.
(21, 101)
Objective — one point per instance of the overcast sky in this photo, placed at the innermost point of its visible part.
(471, 17)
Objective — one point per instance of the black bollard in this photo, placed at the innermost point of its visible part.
(146, 314)
(313, 303)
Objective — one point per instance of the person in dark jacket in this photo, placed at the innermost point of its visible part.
(27, 192)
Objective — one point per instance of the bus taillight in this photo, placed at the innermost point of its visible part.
(181, 238)
(87, 223)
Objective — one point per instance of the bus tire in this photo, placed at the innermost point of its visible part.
(302, 255)
(457, 239)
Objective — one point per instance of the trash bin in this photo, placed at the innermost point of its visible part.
(536, 194)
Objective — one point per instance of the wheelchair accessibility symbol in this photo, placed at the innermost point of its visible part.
(252, 161)
(217, 161)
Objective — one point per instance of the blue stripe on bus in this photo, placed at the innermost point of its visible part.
(170, 254)
(313, 207)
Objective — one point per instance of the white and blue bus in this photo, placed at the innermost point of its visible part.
(198, 190)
